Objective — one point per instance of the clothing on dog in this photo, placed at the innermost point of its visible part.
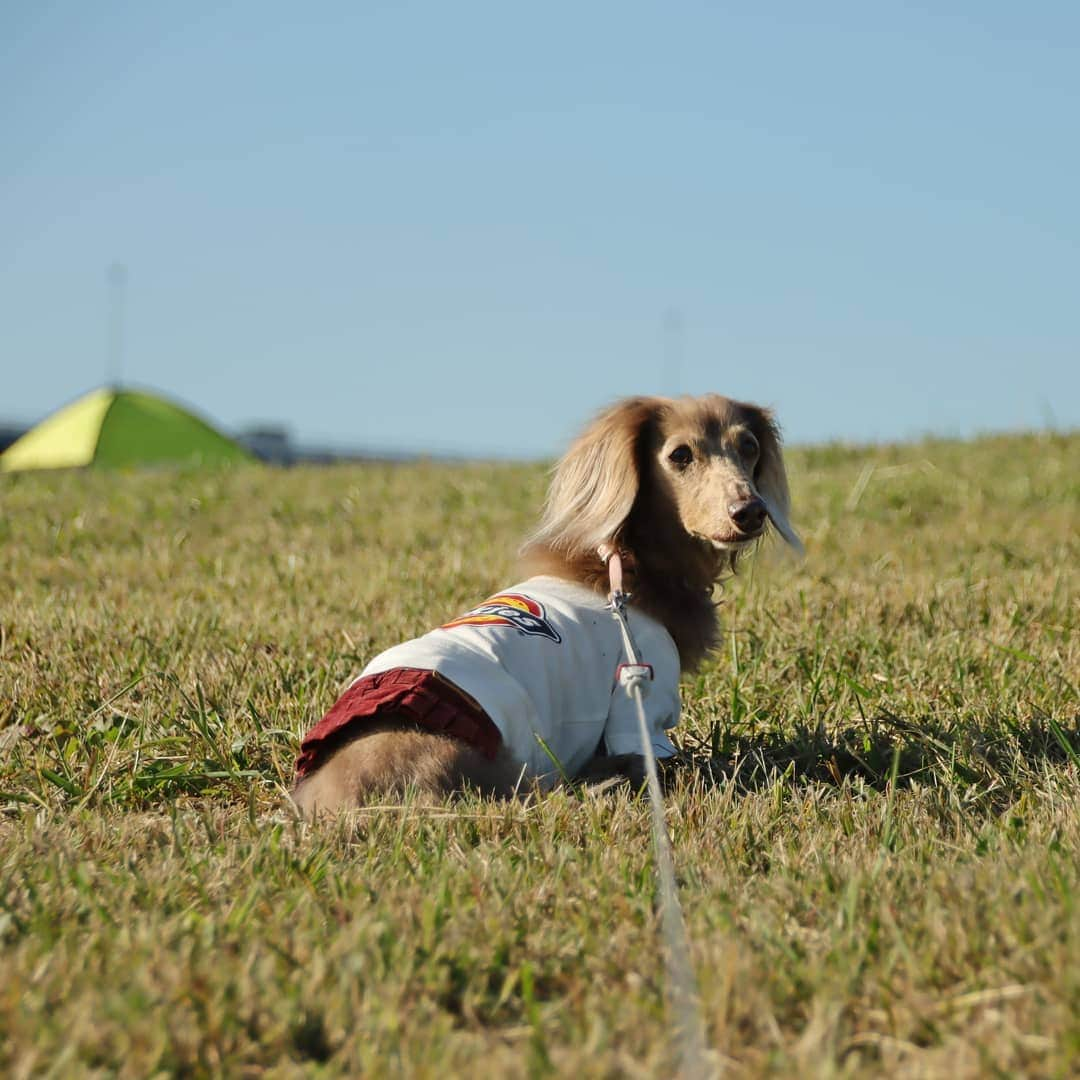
(538, 661)
(423, 697)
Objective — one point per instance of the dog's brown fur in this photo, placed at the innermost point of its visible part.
(657, 477)
(390, 759)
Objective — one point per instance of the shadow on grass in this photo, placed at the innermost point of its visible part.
(998, 755)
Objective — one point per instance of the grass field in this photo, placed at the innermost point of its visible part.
(876, 829)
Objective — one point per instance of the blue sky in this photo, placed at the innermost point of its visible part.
(464, 227)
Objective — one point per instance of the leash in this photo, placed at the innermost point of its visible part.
(684, 1004)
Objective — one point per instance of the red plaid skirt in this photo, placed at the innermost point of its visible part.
(424, 697)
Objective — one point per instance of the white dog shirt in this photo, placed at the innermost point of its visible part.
(540, 659)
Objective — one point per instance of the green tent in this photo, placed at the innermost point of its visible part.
(118, 428)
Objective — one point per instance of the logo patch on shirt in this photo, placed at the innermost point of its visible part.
(510, 609)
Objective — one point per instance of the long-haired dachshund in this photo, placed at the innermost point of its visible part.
(523, 688)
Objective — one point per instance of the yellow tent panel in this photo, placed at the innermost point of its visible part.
(64, 440)
(120, 428)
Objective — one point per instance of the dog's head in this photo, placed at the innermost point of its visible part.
(705, 475)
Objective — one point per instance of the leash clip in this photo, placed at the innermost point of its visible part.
(633, 675)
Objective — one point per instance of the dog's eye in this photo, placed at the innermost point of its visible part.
(681, 456)
(748, 446)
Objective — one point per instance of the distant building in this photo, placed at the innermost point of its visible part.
(269, 442)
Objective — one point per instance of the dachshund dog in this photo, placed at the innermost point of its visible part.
(523, 689)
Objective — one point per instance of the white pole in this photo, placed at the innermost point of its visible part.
(673, 331)
(117, 281)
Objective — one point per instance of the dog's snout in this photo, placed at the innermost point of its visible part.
(748, 515)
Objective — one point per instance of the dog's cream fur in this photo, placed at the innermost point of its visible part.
(662, 479)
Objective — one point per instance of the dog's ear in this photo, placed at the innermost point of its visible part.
(770, 477)
(594, 485)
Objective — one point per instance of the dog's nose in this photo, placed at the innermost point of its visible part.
(748, 515)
